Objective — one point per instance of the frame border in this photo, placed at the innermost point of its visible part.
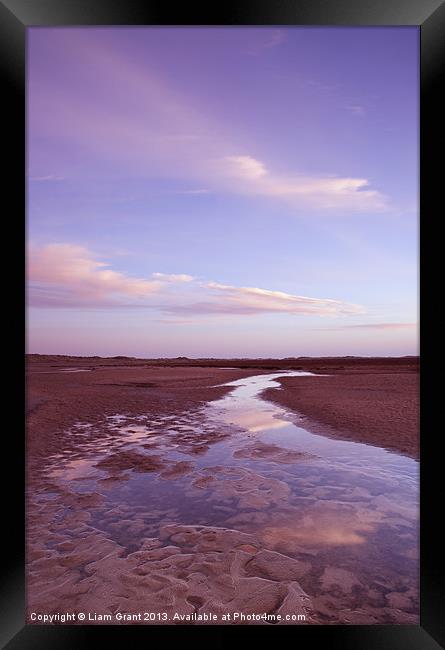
(429, 15)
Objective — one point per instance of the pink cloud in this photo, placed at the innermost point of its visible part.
(65, 274)
(384, 326)
(226, 299)
(377, 326)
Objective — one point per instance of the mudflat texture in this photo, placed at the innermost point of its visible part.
(142, 496)
(60, 394)
(367, 400)
(378, 405)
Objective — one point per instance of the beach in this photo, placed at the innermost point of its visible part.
(366, 400)
(199, 492)
(372, 404)
(61, 393)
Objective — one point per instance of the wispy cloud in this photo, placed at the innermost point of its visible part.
(383, 326)
(43, 179)
(173, 277)
(272, 38)
(175, 321)
(199, 191)
(251, 176)
(164, 133)
(245, 167)
(356, 109)
(376, 326)
(65, 275)
(227, 299)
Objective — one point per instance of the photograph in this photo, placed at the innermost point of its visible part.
(222, 325)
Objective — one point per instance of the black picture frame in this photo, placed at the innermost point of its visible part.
(429, 15)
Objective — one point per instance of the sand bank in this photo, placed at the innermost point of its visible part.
(374, 405)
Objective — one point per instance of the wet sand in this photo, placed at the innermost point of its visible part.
(375, 405)
(56, 398)
(367, 400)
(148, 490)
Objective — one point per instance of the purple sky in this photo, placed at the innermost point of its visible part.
(222, 191)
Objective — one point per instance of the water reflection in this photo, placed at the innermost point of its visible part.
(347, 509)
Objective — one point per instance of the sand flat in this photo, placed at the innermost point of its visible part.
(180, 489)
(376, 406)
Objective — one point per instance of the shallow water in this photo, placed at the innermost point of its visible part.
(349, 509)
